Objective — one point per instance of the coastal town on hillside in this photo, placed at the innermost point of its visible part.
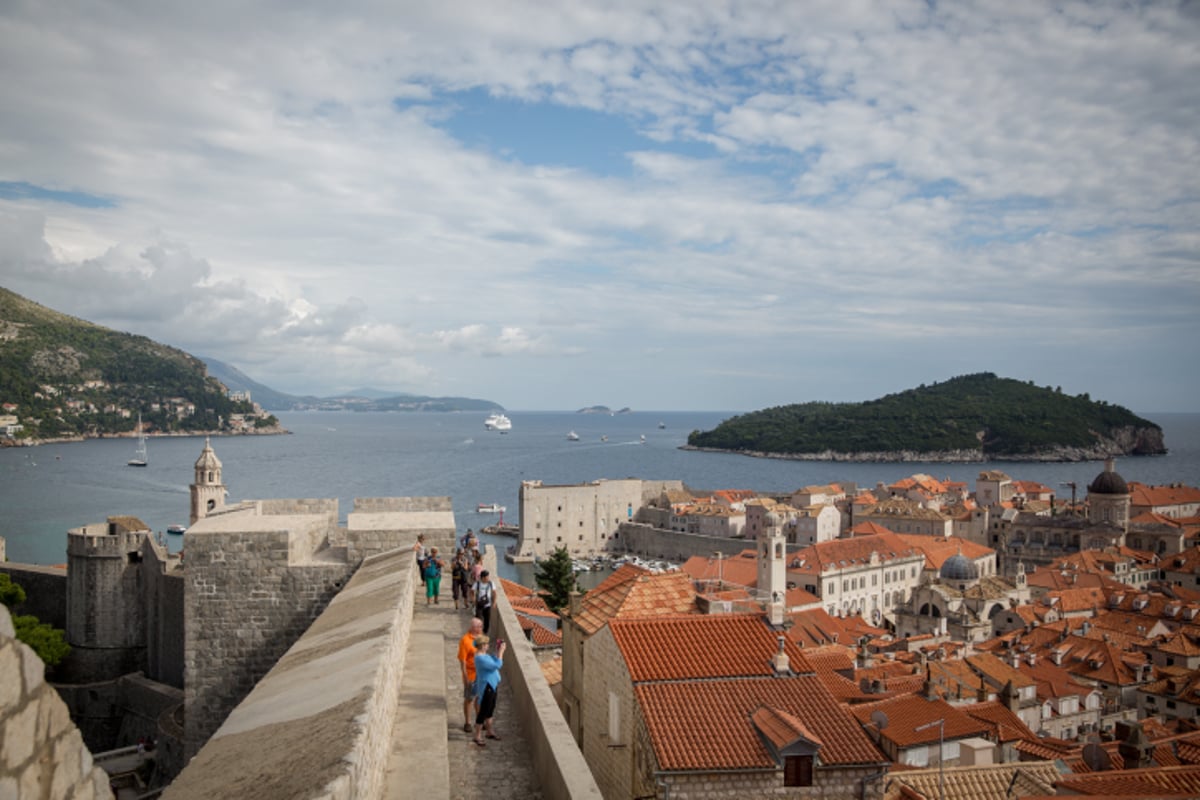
(920, 639)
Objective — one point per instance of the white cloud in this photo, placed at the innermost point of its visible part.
(869, 179)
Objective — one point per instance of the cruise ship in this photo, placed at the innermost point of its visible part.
(498, 422)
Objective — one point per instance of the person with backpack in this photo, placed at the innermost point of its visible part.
(484, 595)
(433, 576)
(459, 574)
(419, 551)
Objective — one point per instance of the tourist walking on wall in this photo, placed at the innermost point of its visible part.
(466, 662)
(433, 575)
(460, 579)
(419, 551)
(485, 594)
(487, 681)
(476, 569)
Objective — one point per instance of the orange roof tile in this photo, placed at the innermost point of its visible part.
(633, 591)
(908, 712)
(700, 646)
(1180, 781)
(708, 725)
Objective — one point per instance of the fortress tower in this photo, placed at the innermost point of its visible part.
(208, 493)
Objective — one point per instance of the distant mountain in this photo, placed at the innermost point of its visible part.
(239, 381)
(595, 410)
(70, 378)
(357, 400)
(968, 418)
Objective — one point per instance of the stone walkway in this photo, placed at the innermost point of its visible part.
(425, 764)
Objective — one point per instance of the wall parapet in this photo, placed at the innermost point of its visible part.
(557, 761)
(318, 725)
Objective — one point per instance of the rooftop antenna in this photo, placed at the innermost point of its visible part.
(1073, 487)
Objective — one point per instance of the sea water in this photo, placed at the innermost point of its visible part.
(47, 490)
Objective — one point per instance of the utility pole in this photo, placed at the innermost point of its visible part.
(941, 723)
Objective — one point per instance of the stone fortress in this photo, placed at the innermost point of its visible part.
(164, 646)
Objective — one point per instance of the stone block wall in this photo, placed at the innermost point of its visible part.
(560, 767)
(828, 784)
(245, 605)
(377, 505)
(319, 725)
(611, 760)
(45, 591)
(42, 755)
(652, 542)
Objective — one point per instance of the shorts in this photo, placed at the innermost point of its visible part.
(469, 691)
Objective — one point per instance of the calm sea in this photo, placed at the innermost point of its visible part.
(44, 491)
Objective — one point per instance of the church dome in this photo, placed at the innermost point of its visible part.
(959, 568)
(208, 459)
(1109, 481)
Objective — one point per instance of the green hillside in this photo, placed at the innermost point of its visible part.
(69, 377)
(1000, 417)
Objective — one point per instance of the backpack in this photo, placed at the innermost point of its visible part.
(432, 568)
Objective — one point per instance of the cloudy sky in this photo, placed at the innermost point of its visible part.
(711, 205)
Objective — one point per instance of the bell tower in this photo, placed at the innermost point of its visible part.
(208, 493)
(772, 567)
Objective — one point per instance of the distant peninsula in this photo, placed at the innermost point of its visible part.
(357, 400)
(970, 418)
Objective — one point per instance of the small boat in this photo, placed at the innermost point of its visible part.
(662, 426)
(139, 457)
(604, 438)
(498, 422)
(177, 530)
(490, 508)
(643, 439)
(572, 437)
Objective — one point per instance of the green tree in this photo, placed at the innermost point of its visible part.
(556, 576)
(48, 642)
(11, 594)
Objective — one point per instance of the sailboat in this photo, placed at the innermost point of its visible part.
(139, 457)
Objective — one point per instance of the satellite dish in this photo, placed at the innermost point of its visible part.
(879, 718)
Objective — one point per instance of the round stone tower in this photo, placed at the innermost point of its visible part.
(208, 493)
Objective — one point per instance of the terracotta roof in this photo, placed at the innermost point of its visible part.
(868, 529)
(1181, 781)
(633, 591)
(839, 553)
(906, 713)
(1142, 495)
(690, 647)
(781, 728)
(741, 569)
(976, 783)
(552, 669)
(708, 725)
(1005, 725)
(939, 548)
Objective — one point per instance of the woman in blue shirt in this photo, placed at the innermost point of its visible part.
(487, 681)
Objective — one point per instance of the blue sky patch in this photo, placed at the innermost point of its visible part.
(20, 190)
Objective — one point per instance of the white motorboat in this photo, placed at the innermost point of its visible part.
(490, 508)
(139, 457)
(178, 530)
(572, 437)
(498, 422)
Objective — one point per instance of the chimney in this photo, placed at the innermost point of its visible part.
(780, 660)
(1031, 658)
(574, 603)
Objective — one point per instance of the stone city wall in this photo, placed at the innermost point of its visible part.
(245, 605)
(651, 542)
(319, 725)
(42, 755)
(45, 591)
(377, 505)
(560, 767)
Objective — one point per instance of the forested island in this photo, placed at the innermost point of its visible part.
(976, 417)
(66, 378)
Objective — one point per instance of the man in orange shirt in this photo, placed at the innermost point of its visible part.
(466, 660)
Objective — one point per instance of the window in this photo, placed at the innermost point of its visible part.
(614, 719)
(798, 771)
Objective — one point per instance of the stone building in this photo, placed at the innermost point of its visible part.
(960, 602)
(717, 707)
(583, 518)
(865, 575)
